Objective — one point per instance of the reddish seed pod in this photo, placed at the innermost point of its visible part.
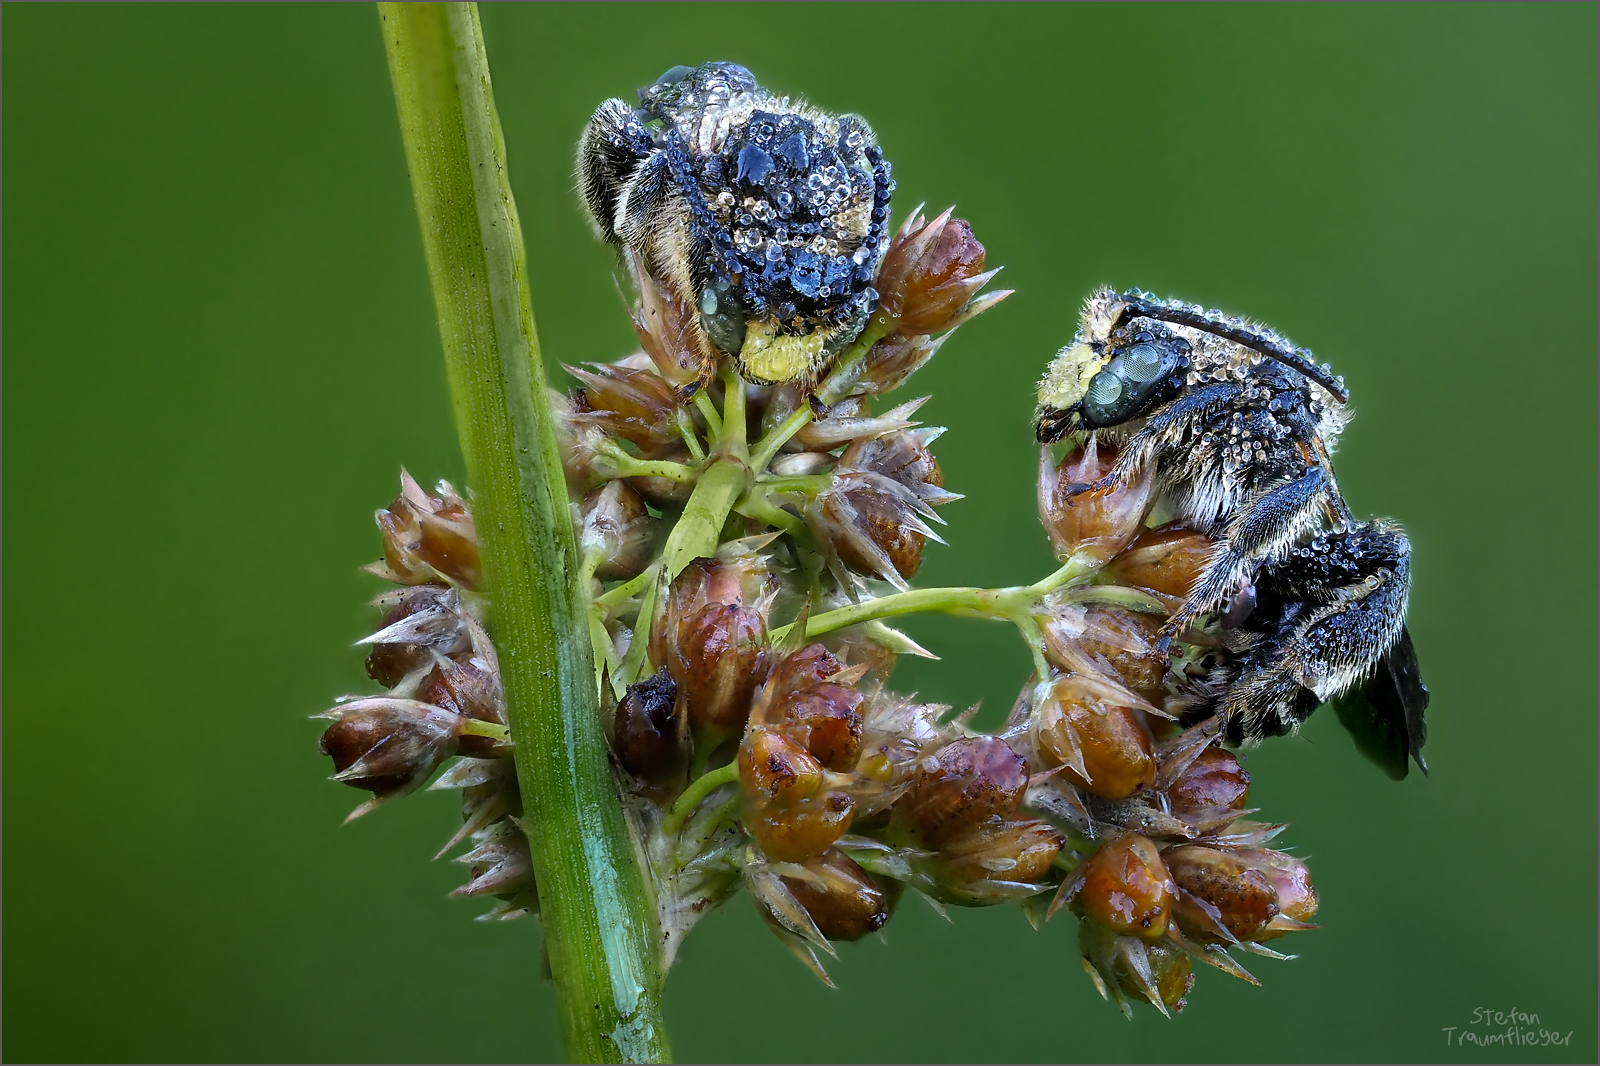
(636, 405)
(1091, 526)
(903, 457)
(388, 746)
(872, 532)
(1291, 882)
(825, 719)
(1017, 852)
(471, 690)
(420, 619)
(963, 785)
(1214, 780)
(1102, 745)
(1242, 898)
(1126, 888)
(1167, 560)
(895, 358)
(811, 664)
(1126, 641)
(803, 829)
(649, 731)
(428, 536)
(720, 658)
(842, 898)
(776, 771)
(929, 272)
(1141, 969)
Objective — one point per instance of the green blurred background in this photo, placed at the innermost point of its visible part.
(220, 348)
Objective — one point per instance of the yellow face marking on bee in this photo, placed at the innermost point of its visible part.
(1069, 375)
(772, 358)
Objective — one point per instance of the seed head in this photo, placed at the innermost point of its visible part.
(428, 537)
(1220, 898)
(1092, 526)
(1125, 887)
(1153, 971)
(469, 689)
(803, 829)
(842, 899)
(930, 274)
(388, 746)
(1212, 790)
(1291, 882)
(961, 786)
(418, 621)
(650, 730)
(634, 404)
(997, 861)
(1088, 727)
(1166, 560)
(617, 527)
(776, 770)
(826, 720)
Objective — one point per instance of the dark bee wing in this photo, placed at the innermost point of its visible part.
(1385, 716)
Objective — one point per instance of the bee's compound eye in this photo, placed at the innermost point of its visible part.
(722, 316)
(674, 75)
(1104, 390)
(1142, 363)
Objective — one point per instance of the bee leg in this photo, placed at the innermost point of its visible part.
(606, 160)
(1353, 643)
(1274, 518)
(1137, 448)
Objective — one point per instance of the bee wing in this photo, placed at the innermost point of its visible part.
(1385, 716)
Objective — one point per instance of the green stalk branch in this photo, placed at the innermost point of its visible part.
(599, 921)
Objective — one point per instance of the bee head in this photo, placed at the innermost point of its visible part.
(1106, 377)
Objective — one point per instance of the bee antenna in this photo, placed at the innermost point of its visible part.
(1143, 305)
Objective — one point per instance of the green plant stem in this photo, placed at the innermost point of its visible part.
(598, 916)
(695, 794)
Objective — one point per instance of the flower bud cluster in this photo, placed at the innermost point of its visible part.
(433, 654)
(1167, 870)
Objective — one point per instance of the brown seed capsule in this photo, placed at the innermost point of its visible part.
(636, 405)
(1240, 898)
(1102, 746)
(1126, 888)
(1214, 780)
(1092, 526)
(803, 829)
(963, 785)
(842, 898)
(774, 770)
(427, 537)
(1165, 560)
(826, 720)
(895, 358)
(469, 689)
(741, 579)
(930, 272)
(617, 527)
(1126, 642)
(649, 732)
(903, 457)
(1012, 852)
(720, 657)
(418, 621)
(873, 524)
(808, 666)
(1291, 882)
(388, 746)
(1153, 971)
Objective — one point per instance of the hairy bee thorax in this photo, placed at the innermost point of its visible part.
(767, 214)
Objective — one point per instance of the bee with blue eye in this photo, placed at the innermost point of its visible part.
(1239, 427)
(767, 215)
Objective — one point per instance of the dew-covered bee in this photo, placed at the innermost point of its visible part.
(766, 213)
(1239, 425)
